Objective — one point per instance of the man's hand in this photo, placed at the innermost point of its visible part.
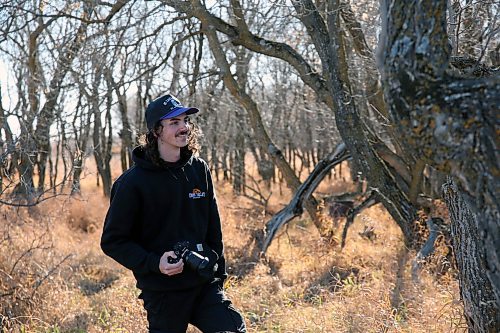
(170, 269)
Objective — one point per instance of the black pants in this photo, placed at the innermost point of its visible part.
(205, 307)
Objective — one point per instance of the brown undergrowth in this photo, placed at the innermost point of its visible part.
(54, 277)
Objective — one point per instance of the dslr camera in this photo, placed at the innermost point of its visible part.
(193, 260)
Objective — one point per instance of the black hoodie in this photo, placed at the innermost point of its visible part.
(152, 208)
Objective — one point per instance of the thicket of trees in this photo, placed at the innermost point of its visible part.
(284, 81)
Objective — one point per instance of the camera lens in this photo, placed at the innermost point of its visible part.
(196, 261)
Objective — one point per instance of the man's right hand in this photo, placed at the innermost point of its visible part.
(170, 269)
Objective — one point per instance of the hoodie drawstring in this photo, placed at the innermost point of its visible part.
(172, 172)
(187, 179)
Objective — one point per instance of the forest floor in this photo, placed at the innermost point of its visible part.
(54, 277)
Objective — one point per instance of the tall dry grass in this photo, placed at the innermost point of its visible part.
(54, 277)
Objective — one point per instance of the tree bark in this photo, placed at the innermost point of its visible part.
(374, 92)
(328, 41)
(481, 310)
(451, 123)
(102, 141)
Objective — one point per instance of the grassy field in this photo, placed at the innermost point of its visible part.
(54, 278)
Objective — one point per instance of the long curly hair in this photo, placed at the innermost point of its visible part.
(149, 142)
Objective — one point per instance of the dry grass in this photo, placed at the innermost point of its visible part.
(54, 277)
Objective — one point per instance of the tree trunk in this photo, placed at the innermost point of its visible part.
(238, 167)
(25, 168)
(77, 171)
(481, 309)
(126, 131)
(81, 140)
(48, 112)
(330, 46)
(103, 142)
(451, 123)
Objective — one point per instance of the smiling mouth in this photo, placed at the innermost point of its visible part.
(182, 133)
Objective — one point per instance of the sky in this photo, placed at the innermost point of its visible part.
(6, 101)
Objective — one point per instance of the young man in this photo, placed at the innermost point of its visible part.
(163, 224)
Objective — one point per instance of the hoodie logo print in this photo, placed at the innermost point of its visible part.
(196, 194)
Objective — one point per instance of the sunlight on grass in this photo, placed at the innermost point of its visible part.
(56, 279)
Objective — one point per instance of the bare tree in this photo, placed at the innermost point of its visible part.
(301, 66)
(55, 33)
(333, 88)
(396, 180)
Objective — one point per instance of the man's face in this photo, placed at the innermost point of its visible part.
(175, 132)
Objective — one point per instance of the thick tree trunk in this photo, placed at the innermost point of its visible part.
(330, 46)
(451, 123)
(481, 309)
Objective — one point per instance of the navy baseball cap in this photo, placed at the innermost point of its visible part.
(165, 107)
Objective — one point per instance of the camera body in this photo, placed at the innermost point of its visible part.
(193, 260)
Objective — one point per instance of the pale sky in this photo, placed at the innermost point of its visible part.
(6, 101)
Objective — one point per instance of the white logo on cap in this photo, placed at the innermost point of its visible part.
(175, 102)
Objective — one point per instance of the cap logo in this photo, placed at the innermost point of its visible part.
(173, 101)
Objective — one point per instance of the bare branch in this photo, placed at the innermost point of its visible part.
(368, 202)
(428, 246)
(294, 208)
(261, 45)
